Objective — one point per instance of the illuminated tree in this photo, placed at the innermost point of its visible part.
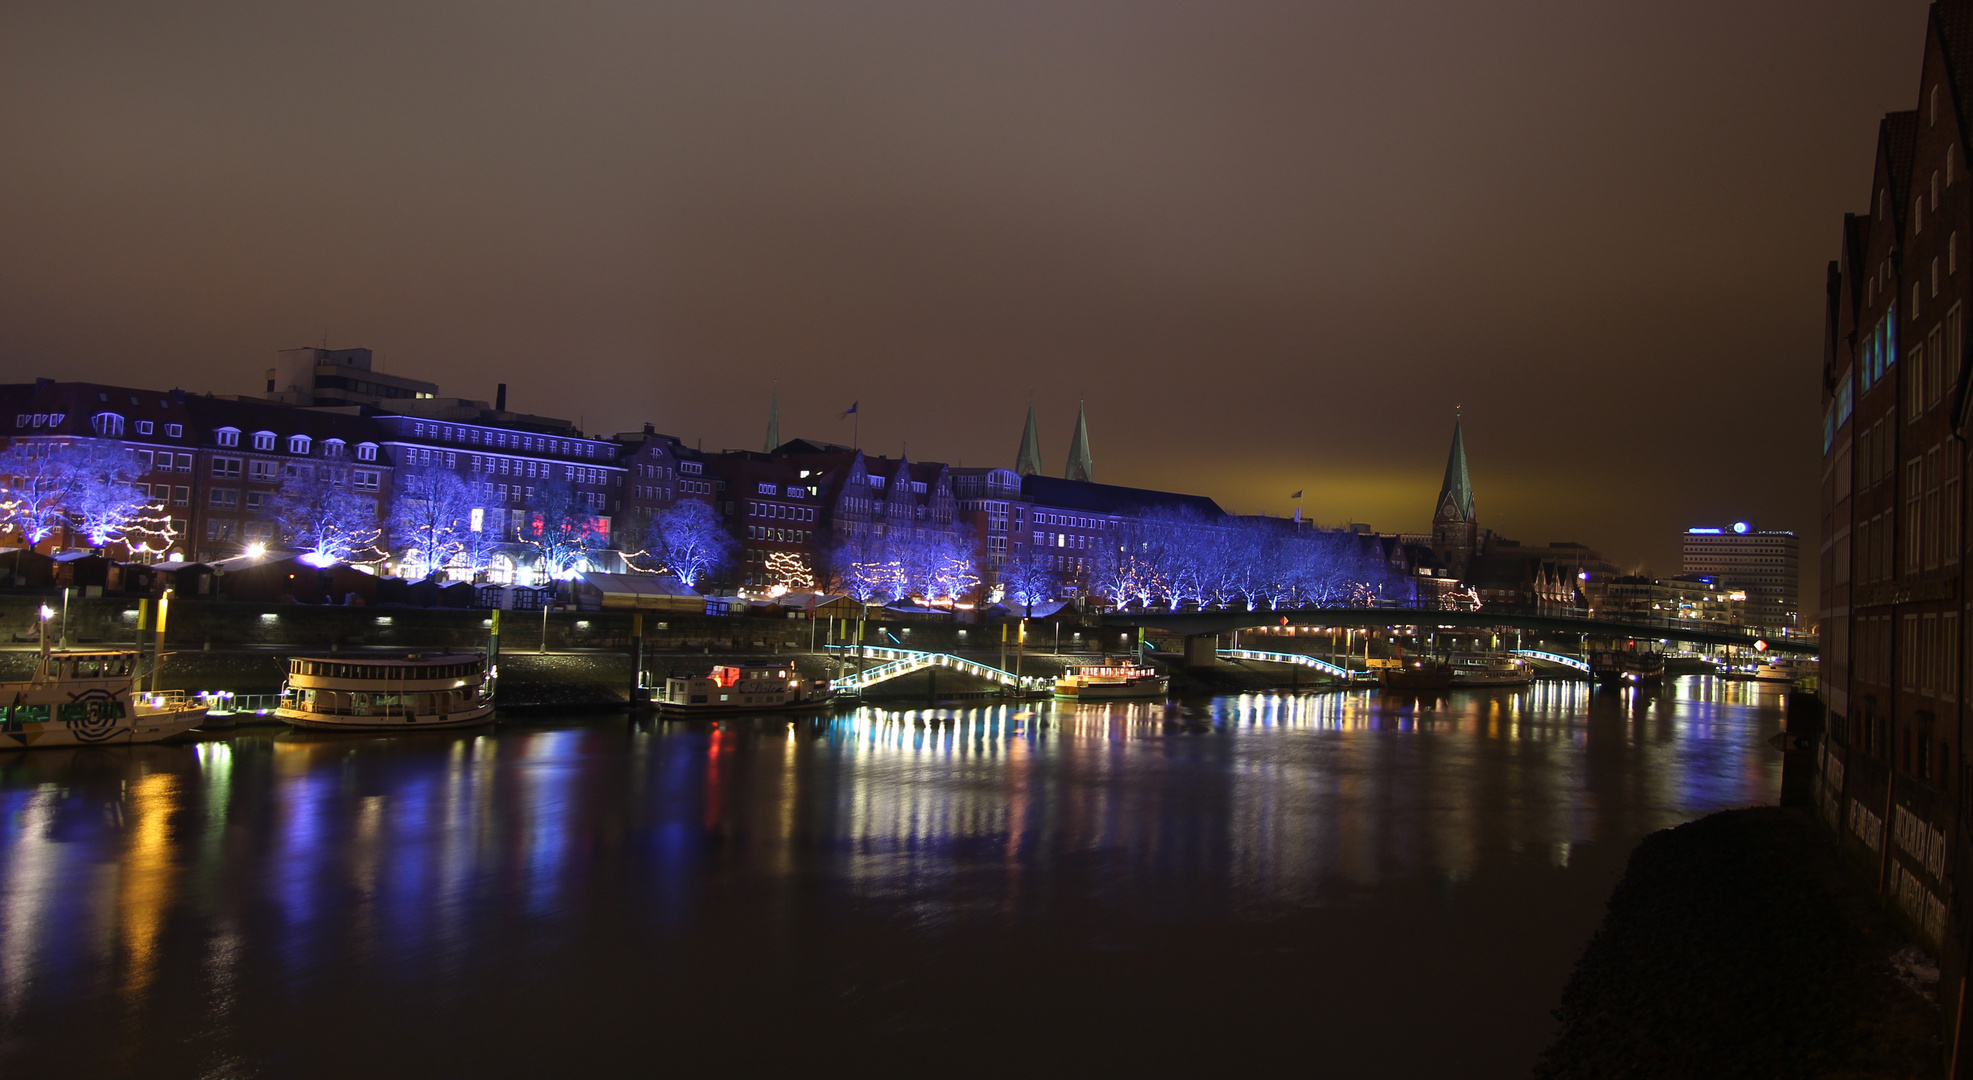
(562, 527)
(789, 571)
(431, 519)
(862, 567)
(37, 484)
(105, 504)
(689, 540)
(318, 513)
(1027, 580)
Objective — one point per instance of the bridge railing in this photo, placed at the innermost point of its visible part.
(1302, 659)
(899, 662)
(1553, 658)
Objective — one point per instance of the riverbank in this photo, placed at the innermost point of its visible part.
(1738, 945)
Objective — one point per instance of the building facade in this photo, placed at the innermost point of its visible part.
(1766, 565)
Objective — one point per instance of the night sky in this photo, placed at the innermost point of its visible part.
(1271, 245)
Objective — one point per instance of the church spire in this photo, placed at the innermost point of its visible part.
(1080, 467)
(1456, 494)
(1028, 461)
(773, 421)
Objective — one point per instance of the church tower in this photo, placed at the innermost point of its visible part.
(773, 422)
(1028, 461)
(1455, 528)
(1080, 466)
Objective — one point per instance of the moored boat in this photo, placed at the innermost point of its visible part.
(734, 688)
(90, 698)
(407, 693)
(1414, 675)
(1626, 666)
(1779, 670)
(1491, 670)
(1113, 679)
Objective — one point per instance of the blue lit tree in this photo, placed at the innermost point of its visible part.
(1026, 579)
(431, 521)
(319, 514)
(37, 484)
(562, 528)
(687, 539)
(105, 504)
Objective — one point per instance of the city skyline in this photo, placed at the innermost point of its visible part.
(1201, 222)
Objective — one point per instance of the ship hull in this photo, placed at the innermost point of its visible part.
(315, 721)
(145, 727)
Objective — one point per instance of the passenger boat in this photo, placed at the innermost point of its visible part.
(1626, 666)
(1494, 670)
(1113, 679)
(406, 693)
(733, 688)
(90, 698)
(1413, 675)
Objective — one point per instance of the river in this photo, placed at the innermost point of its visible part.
(1335, 883)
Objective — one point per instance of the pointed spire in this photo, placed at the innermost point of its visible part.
(1456, 494)
(773, 421)
(1028, 461)
(1080, 466)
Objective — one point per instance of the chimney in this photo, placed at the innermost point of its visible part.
(650, 428)
(500, 399)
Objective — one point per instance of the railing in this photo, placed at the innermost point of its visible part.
(900, 662)
(1302, 659)
(1554, 658)
(223, 702)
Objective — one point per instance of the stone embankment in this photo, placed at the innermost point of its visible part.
(1738, 945)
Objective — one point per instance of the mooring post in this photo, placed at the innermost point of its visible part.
(493, 653)
(637, 696)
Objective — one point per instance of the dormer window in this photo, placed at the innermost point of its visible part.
(174, 431)
(366, 451)
(144, 427)
(263, 440)
(298, 444)
(332, 448)
(107, 424)
(227, 436)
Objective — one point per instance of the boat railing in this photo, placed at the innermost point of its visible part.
(168, 700)
(225, 702)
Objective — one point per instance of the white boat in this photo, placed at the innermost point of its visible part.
(90, 698)
(408, 693)
(1496, 670)
(1111, 680)
(731, 688)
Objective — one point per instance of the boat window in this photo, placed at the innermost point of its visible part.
(29, 714)
(89, 669)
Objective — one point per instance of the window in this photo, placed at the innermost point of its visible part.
(1952, 253)
(263, 440)
(226, 468)
(1933, 527)
(766, 489)
(365, 479)
(174, 431)
(1914, 301)
(180, 496)
(223, 498)
(1935, 190)
(368, 452)
(144, 427)
(108, 425)
(217, 529)
(1914, 510)
(298, 444)
(332, 448)
(262, 470)
(255, 499)
(184, 462)
(1935, 275)
(1950, 507)
(143, 459)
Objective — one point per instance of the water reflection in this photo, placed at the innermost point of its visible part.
(169, 880)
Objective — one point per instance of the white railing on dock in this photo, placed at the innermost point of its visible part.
(1302, 659)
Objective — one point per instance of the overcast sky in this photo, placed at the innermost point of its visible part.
(1270, 245)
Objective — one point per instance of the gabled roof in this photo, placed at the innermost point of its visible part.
(1110, 499)
(1897, 140)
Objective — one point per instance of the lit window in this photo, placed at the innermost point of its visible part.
(227, 436)
(298, 444)
(173, 431)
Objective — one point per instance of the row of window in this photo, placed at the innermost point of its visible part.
(265, 441)
(163, 461)
(775, 510)
(536, 469)
(1928, 646)
(1932, 509)
(652, 492)
(109, 425)
(1928, 374)
(785, 536)
(511, 439)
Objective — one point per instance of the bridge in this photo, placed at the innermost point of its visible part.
(1200, 623)
(1301, 659)
(1553, 658)
(897, 663)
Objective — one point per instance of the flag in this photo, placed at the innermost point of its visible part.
(852, 407)
(1296, 495)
